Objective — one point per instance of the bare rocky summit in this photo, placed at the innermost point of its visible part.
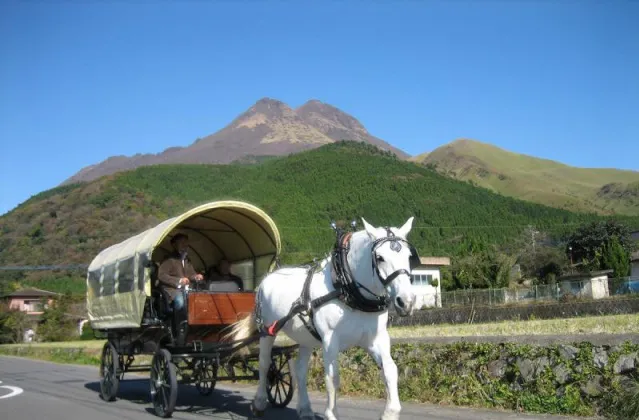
(268, 128)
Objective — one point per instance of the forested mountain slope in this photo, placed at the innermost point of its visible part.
(302, 193)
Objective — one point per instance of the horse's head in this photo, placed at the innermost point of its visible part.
(393, 258)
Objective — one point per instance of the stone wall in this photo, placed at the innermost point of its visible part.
(576, 379)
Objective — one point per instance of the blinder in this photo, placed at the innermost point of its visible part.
(396, 244)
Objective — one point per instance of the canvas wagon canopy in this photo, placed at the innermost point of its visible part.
(118, 278)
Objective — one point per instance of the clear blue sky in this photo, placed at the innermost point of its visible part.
(555, 79)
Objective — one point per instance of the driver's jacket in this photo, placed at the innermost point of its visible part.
(172, 270)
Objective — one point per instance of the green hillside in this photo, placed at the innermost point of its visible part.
(302, 193)
(605, 191)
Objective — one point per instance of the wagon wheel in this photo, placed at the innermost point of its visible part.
(206, 377)
(280, 383)
(109, 372)
(164, 385)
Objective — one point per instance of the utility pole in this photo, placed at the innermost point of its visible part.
(570, 251)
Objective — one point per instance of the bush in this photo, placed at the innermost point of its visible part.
(87, 332)
(56, 325)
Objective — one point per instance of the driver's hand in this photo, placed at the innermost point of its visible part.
(184, 280)
(199, 277)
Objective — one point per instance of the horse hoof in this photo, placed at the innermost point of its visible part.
(389, 416)
(255, 411)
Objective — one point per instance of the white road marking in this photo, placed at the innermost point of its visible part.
(14, 391)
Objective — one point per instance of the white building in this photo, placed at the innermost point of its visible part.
(592, 284)
(427, 281)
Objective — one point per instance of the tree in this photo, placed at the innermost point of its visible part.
(588, 240)
(13, 324)
(483, 269)
(447, 280)
(537, 258)
(545, 264)
(56, 325)
(615, 257)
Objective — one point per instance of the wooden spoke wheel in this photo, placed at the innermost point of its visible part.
(109, 372)
(205, 376)
(164, 386)
(280, 382)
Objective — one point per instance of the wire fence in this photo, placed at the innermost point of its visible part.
(471, 314)
(562, 291)
(596, 288)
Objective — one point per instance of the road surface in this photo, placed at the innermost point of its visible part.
(35, 390)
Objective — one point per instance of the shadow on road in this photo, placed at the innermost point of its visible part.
(220, 404)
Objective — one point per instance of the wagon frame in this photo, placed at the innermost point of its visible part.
(126, 306)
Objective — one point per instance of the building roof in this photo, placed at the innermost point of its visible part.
(585, 274)
(434, 260)
(32, 292)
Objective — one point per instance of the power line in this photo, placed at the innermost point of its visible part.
(43, 267)
(453, 227)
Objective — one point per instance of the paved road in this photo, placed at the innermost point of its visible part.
(62, 392)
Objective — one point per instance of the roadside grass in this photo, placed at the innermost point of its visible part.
(78, 344)
(611, 324)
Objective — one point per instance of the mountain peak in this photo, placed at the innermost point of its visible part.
(329, 118)
(263, 111)
(268, 128)
(269, 102)
(271, 108)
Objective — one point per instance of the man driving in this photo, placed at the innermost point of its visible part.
(177, 270)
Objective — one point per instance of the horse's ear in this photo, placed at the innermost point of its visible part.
(369, 229)
(403, 231)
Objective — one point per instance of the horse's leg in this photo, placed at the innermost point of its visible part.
(259, 403)
(304, 410)
(331, 372)
(380, 351)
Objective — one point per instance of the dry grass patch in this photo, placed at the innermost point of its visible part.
(611, 324)
(80, 344)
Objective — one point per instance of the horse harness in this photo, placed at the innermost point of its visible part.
(347, 289)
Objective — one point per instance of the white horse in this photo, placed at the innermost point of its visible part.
(365, 272)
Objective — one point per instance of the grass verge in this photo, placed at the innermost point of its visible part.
(611, 324)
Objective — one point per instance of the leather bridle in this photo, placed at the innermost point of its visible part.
(343, 278)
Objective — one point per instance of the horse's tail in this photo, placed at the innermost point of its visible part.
(241, 330)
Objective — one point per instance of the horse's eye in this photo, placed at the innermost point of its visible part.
(379, 258)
